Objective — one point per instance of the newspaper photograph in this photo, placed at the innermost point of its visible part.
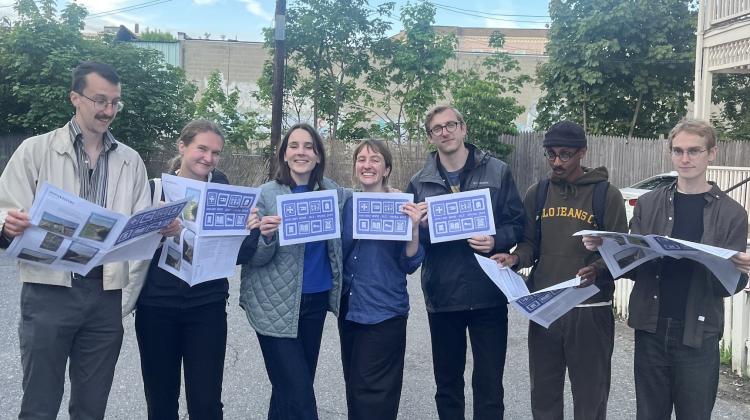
(195, 259)
(544, 306)
(71, 234)
(623, 252)
(212, 209)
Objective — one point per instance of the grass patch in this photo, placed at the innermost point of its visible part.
(725, 356)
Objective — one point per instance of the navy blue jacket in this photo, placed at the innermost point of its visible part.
(451, 277)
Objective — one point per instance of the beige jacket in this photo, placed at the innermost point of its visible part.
(51, 158)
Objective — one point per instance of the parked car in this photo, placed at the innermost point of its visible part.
(630, 194)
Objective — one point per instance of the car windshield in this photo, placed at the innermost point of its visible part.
(654, 183)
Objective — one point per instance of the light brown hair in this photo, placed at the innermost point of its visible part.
(438, 109)
(697, 127)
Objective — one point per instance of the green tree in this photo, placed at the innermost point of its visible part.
(328, 45)
(732, 92)
(482, 96)
(297, 97)
(216, 105)
(410, 73)
(618, 67)
(158, 98)
(156, 36)
(38, 52)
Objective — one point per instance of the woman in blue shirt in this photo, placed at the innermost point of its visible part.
(286, 290)
(375, 302)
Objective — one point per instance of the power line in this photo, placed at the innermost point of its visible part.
(487, 13)
(127, 8)
(465, 13)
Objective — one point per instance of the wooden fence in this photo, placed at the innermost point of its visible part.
(628, 161)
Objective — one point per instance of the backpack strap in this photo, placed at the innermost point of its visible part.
(156, 191)
(599, 203)
(539, 200)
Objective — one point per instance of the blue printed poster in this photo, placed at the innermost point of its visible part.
(308, 217)
(378, 216)
(460, 215)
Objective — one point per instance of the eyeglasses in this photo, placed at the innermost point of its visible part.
(693, 152)
(564, 156)
(450, 127)
(101, 104)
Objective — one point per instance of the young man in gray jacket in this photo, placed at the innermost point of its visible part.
(677, 306)
(458, 295)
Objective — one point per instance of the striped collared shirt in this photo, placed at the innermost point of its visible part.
(94, 183)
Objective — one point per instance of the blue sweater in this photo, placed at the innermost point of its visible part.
(317, 275)
(375, 275)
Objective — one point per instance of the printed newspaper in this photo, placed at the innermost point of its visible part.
(71, 234)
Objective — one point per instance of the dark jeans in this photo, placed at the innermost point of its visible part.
(488, 331)
(669, 373)
(581, 341)
(170, 339)
(81, 324)
(291, 362)
(373, 360)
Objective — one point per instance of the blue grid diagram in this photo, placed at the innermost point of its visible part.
(148, 222)
(308, 218)
(535, 301)
(460, 216)
(381, 217)
(226, 210)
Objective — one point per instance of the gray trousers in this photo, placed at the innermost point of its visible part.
(581, 341)
(81, 323)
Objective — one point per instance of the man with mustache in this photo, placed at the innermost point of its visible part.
(64, 316)
(583, 339)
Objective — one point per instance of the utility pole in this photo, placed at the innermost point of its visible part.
(278, 83)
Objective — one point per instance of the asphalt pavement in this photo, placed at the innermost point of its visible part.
(247, 390)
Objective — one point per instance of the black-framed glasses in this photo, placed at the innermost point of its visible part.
(450, 127)
(101, 104)
(692, 152)
(564, 156)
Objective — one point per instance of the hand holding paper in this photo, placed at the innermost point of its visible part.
(269, 225)
(741, 261)
(505, 260)
(16, 221)
(592, 243)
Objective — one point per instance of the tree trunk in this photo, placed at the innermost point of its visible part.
(585, 123)
(635, 116)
